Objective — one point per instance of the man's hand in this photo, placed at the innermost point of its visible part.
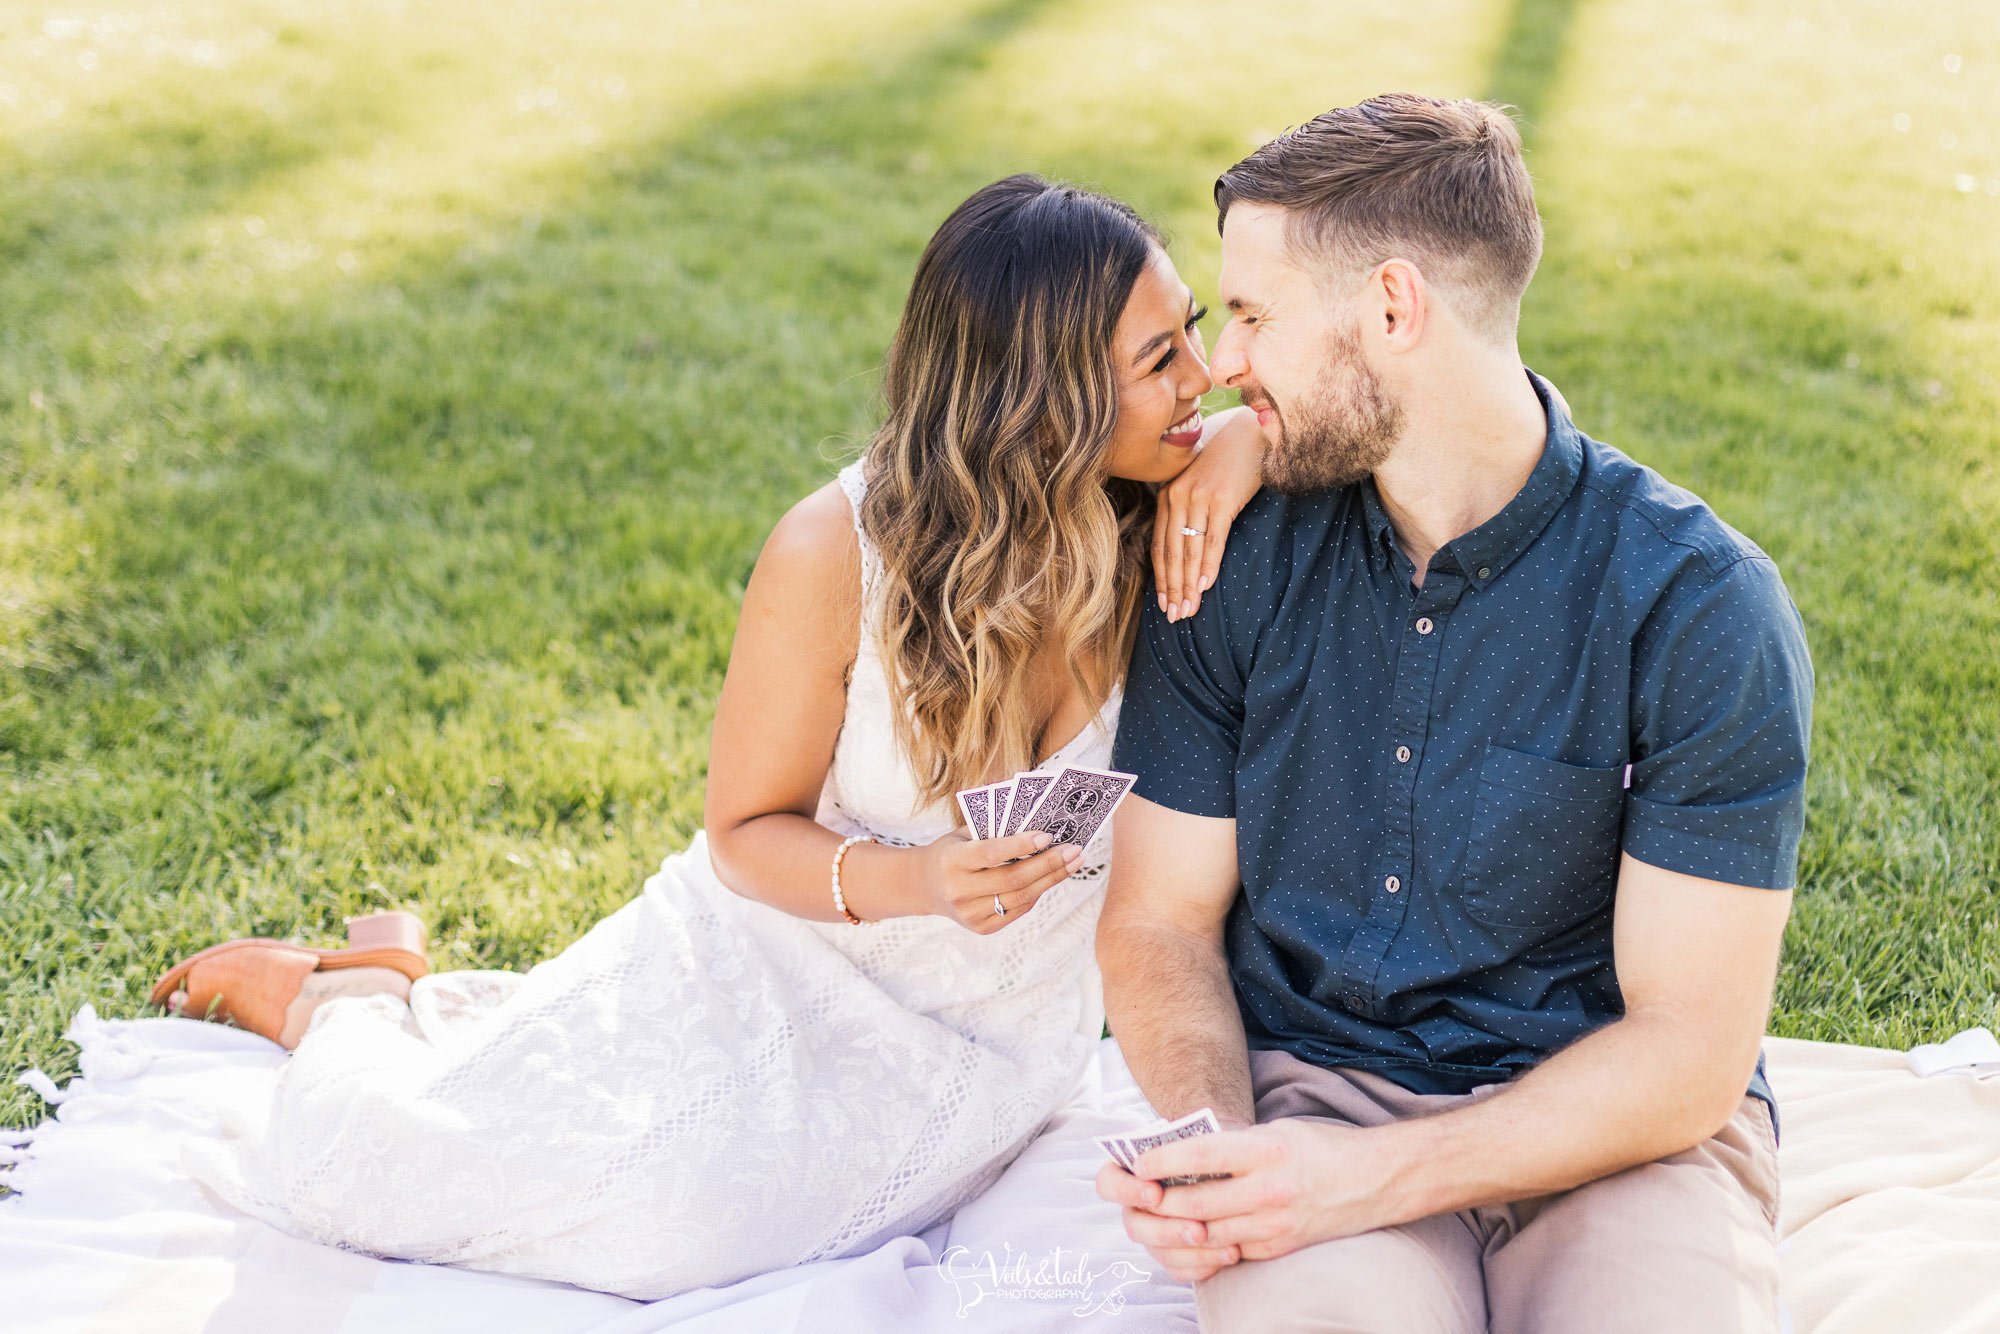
(1292, 1182)
(1173, 1243)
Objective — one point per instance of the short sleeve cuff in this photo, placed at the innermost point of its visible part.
(1207, 789)
(1671, 838)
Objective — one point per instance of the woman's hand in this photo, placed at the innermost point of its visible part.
(1208, 495)
(962, 875)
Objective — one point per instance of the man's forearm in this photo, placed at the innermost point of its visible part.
(1172, 1007)
(1641, 1088)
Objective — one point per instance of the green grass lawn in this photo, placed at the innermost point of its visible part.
(393, 400)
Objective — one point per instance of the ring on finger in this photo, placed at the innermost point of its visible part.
(999, 907)
(1193, 532)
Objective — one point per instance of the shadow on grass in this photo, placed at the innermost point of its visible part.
(1530, 58)
(120, 191)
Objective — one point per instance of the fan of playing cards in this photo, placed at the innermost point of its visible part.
(1070, 805)
(1125, 1149)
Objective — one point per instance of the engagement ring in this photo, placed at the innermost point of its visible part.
(1193, 532)
(998, 906)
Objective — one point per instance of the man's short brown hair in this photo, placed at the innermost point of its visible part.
(1440, 183)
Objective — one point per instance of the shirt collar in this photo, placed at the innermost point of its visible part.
(1491, 547)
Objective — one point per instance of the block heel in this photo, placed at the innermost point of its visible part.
(394, 930)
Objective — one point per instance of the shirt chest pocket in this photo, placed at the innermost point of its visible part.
(1544, 846)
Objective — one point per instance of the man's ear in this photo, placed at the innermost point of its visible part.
(1402, 301)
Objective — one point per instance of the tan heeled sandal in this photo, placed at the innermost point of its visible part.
(251, 982)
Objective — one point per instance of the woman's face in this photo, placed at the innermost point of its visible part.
(1162, 373)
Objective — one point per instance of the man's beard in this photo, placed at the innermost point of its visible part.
(1337, 432)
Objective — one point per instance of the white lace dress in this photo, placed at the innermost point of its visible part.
(702, 1087)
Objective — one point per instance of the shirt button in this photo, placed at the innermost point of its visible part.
(1423, 625)
(1485, 571)
(1392, 884)
(1402, 754)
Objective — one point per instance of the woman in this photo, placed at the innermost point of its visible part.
(834, 1017)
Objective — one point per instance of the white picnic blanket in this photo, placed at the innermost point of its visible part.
(1890, 1184)
(1891, 1220)
(107, 1235)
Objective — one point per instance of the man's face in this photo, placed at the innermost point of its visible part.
(1293, 350)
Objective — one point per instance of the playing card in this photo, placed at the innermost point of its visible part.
(976, 804)
(1003, 799)
(1029, 785)
(1077, 804)
(1114, 1146)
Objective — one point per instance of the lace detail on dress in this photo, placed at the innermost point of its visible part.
(854, 483)
(702, 1087)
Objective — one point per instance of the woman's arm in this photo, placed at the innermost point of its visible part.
(781, 707)
(1227, 471)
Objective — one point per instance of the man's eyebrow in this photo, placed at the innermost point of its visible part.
(1236, 305)
(1159, 340)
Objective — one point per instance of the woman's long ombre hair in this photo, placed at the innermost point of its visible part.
(988, 498)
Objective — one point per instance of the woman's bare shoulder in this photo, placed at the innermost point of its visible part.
(815, 539)
(809, 572)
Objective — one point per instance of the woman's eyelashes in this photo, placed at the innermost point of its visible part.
(1168, 359)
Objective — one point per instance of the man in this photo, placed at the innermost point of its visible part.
(1468, 803)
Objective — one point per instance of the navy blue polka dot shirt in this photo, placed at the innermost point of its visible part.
(1431, 785)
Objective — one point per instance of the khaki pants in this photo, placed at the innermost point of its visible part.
(1688, 1243)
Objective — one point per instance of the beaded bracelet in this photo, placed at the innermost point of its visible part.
(839, 901)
